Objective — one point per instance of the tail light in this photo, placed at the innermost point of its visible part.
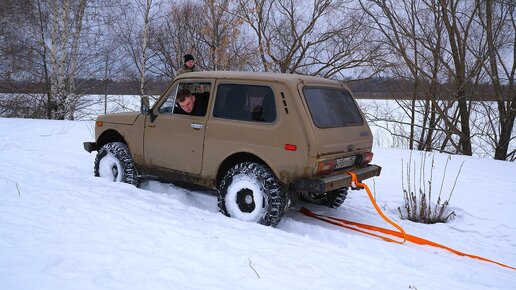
(367, 158)
(290, 147)
(324, 167)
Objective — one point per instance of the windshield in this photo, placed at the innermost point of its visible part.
(332, 107)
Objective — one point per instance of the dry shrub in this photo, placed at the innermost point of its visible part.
(418, 193)
(23, 106)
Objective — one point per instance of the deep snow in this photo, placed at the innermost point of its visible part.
(62, 228)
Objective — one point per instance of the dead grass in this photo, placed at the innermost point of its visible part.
(418, 188)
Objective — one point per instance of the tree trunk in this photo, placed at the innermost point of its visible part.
(45, 65)
(506, 107)
(458, 35)
(145, 45)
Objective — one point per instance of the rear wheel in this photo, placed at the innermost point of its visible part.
(250, 192)
(332, 199)
(114, 162)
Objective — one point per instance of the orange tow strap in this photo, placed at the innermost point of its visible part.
(369, 229)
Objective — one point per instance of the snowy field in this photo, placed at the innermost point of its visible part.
(62, 228)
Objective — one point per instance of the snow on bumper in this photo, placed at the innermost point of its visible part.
(335, 181)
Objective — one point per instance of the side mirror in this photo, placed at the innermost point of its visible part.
(145, 105)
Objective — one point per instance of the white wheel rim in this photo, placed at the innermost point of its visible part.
(239, 183)
(107, 166)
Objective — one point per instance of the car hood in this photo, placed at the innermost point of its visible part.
(127, 118)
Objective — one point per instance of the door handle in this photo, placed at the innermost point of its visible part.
(196, 126)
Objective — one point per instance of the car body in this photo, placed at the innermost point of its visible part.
(305, 131)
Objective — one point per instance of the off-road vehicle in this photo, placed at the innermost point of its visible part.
(264, 141)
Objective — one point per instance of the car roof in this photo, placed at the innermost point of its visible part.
(260, 76)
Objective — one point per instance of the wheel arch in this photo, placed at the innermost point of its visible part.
(235, 159)
(109, 136)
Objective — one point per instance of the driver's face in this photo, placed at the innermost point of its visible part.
(188, 104)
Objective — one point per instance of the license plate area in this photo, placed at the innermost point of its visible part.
(345, 162)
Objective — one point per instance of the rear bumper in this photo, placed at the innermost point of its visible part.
(335, 181)
(90, 146)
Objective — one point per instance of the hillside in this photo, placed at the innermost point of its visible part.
(63, 228)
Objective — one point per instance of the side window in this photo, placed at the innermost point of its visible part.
(245, 102)
(201, 92)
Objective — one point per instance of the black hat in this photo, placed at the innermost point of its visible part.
(188, 57)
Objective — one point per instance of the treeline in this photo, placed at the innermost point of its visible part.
(374, 88)
(87, 87)
(445, 52)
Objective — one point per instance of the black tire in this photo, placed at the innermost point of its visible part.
(114, 162)
(250, 192)
(331, 199)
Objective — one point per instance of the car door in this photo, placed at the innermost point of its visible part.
(175, 141)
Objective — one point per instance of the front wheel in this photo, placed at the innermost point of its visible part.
(115, 163)
(250, 192)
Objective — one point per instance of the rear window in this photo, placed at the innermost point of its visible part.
(332, 107)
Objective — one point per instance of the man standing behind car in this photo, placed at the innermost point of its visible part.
(189, 65)
(189, 104)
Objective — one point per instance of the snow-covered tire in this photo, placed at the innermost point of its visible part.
(250, 192)
(114, 162)
(332, 199)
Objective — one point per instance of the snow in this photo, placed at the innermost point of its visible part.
(240, 181)
(63, 228)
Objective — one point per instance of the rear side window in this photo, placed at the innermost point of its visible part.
(245, 102)
(332, 107)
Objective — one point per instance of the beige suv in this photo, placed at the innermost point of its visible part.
(263, 141)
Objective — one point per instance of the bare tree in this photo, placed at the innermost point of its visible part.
(174, 36)
(218, 32)
(62, 54)
(131, 23)
(145, 45)
(257, 14)
(458, 18)
(18, 51)
(65, 29)
(498, 21)
(207, 29)
(405, 33)
(321, 37)
(178, 34)
(14, 16)
(433, 40)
